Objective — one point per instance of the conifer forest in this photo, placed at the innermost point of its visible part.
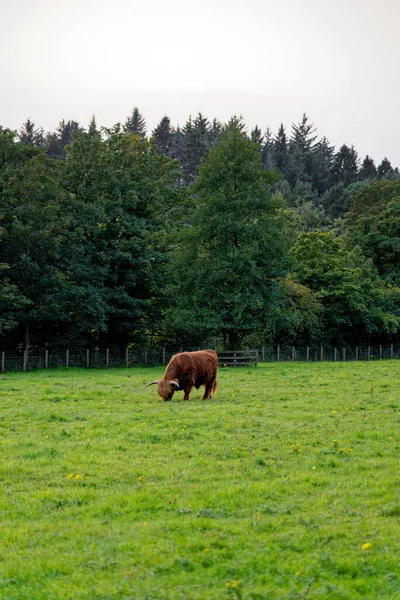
(121, 235)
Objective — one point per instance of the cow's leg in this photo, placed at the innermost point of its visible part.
(209, 389)
(187, 391)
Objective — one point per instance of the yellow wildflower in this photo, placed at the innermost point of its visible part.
(235, 583)
(366, 546)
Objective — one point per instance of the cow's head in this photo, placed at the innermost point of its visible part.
(165, 387)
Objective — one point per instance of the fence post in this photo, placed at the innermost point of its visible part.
(380, 352)
(262, 354)
(87, 358)
(343, 354)
(163, 355)
(107, 357)
(278, 351)
(335, 355)
(127, 357)
(356, 352)
(67, 358)
(145, 356)
(308, 353)
(391, 350)
(234, 358)
(322, 354)
(25, 360)
(3, 361)
(256, 363)
(46, 359)
(369, 352)
(293, 352)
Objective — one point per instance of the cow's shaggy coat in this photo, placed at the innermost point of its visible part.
(187, 370)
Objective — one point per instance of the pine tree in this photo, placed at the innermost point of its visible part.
(30, 136)
(301, 146)
(163, 136)
(257, 136)
(215, 132)
(345, 166)
(135, 123)
(281, 149)
(385, 168)
(196, 143)
(267, 152)
(92, 130)
(321, 165)
(295, 166)
(57, 141)
(303, 134)
(177, 145)
(368, 169)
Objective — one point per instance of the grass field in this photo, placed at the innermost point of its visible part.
(285, 486)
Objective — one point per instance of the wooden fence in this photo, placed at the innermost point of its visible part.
(238, 358)
(129, 357)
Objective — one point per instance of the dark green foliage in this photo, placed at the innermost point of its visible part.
(257, 136)
(337, 201)
(321, 165)
(368, 169)
(57, 141)
(354, 301)
(268, 160)
(29, 207)
(93, 130)
(345, 166)
(11, 302)
(30, 135)
(113, 242)
(118, 185)
(196, 142)
(231, 256)
(384, 169)
(163, 136)
(135, 123)
(281, 150)
(215, 132)
(300, 314)
(301, 147)
(374, 226)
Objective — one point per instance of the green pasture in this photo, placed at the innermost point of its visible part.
(285, 486)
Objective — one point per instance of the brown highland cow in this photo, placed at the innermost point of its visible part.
(187, 370)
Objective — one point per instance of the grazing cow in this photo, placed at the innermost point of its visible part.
(187, 370)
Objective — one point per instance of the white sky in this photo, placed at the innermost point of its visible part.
(268, 60)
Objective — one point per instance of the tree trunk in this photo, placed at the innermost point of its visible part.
(26, 343)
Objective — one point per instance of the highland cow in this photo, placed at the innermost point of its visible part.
(187, 370)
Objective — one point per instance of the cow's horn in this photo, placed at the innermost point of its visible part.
(151, 383)
(175, 383)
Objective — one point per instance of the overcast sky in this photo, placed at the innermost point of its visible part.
(268, 60)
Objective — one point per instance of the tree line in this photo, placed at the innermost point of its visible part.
(112, 236)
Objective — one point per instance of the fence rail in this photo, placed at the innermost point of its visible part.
(129, 357)
(238, 358)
